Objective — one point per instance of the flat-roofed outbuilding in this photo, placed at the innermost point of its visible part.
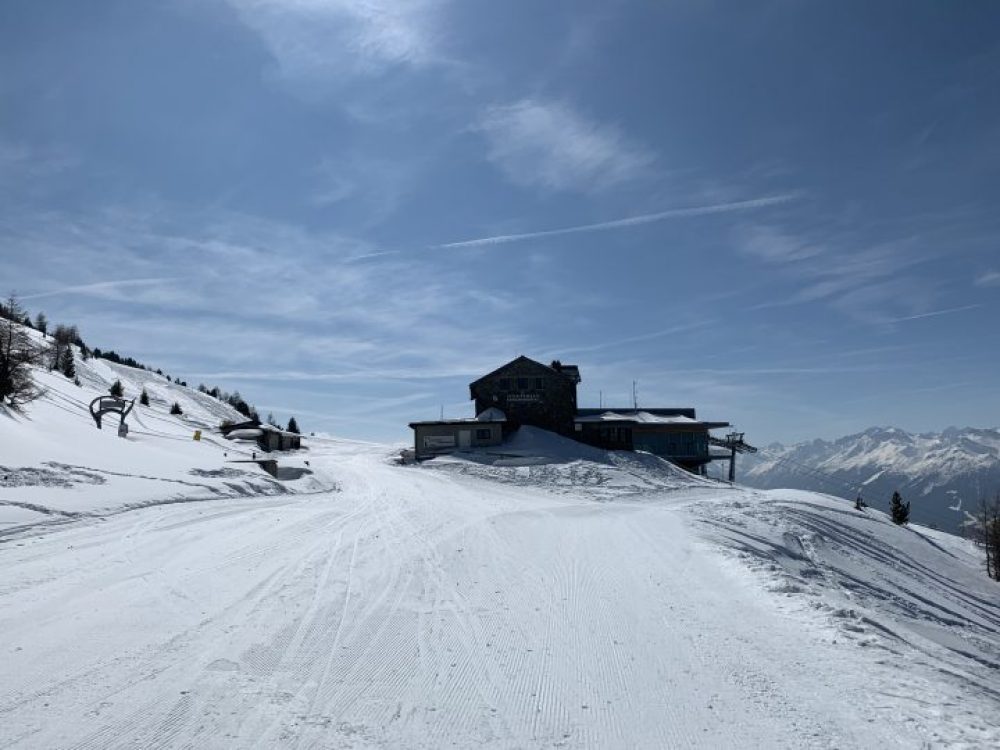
(674, 434)
(437, 437)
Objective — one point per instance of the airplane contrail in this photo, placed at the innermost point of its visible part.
(631, 221)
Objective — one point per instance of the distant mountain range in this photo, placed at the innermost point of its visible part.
(941, 474)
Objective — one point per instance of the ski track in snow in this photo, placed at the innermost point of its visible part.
(461, 604)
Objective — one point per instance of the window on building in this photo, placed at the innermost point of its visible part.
(539, 384)
(483, 433)
(504, 384)
(522, 384)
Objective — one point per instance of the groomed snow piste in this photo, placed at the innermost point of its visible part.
(551, 596)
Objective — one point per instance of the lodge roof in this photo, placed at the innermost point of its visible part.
(570, 371)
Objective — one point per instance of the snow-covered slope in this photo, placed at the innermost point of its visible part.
(56, 465)
(534, 595)
(941, 474)
(525, 597)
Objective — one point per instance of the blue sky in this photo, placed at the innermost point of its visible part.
(781, 213)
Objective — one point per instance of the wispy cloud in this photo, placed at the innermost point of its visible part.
(630, 221)
(309, 37)
(990, 278)
(101, 288)
(219, 293)
(550, 145)
(871, 282)
(773, 246)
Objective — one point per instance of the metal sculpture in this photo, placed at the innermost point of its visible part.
(104, 404)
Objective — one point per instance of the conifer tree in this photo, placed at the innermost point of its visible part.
(293, 426)
(66, 364)
(176, 408)
(17, 354)
(900, 511)
(117, 389)
(144, 398)
(62, 338)
(42, 323)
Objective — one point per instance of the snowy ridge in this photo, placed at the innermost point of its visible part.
(942, 474)
(55, 465)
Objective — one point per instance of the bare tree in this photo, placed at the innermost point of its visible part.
(986, 533)
(17, 355)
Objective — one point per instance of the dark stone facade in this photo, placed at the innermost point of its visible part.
(531, 393)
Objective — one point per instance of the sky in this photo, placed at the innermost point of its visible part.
(783, 213)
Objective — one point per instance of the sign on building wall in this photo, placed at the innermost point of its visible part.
(439, 441)
(516, 397)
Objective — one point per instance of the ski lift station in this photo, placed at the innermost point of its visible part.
(526, 392)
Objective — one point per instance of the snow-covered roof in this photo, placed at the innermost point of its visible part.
(640, 417)
(272, 428)
(245, 434)
(492, 414)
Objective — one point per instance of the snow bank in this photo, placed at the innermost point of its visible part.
(912, 596)
(543, 459)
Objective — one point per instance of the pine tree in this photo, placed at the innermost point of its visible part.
(17, 354)
(62, 339)
(117, 389)
(42, 323)
(76, 381)
(144, 398)
(900, 511)
(176, 408)
(293, 426)
(66, 364)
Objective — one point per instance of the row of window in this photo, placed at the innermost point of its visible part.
(523, 384)
(615, 435)
(676, 444)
